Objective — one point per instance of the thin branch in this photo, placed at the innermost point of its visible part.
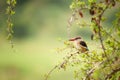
(99, 27)
(111, 36)
(61, 65)
(92, 70)
(100, 35)
(48, 74)
(112, 73)
(89, 73)
(66, 61)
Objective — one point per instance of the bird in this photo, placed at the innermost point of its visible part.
(79, 44)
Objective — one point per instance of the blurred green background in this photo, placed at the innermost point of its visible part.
(38, 24)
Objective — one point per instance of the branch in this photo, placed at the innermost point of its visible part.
(112, 73)
(100, 35)
(62, 65)
(66, 61)
(99, 27)
(111, 36)
(92, 70)
(48, 74)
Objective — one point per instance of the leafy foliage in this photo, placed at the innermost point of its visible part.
(102, 64)
(10, 12)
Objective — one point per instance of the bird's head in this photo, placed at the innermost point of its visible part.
(74, 39)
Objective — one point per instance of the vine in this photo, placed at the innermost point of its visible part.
(10, 12)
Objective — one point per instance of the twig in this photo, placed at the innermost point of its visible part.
(92, 70)
(61, 65)
(111, 37)
(112, 73)
(99, 27)
(47, 76)
(66, 61)
(99, 33)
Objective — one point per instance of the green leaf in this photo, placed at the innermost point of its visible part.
(8, 2)
(80, 3)
(9, 36)
(73, 5)
(91, 1)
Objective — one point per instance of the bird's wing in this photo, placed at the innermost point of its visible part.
(83, 44)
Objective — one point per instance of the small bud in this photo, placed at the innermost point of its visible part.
(95, 31)
(92, 12)
(81, 14)
(106, 1)
(113, 3)
(93, 19)
(92, 36)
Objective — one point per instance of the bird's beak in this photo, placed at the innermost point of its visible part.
(72, 39)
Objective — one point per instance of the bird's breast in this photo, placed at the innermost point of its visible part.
(77, 45)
